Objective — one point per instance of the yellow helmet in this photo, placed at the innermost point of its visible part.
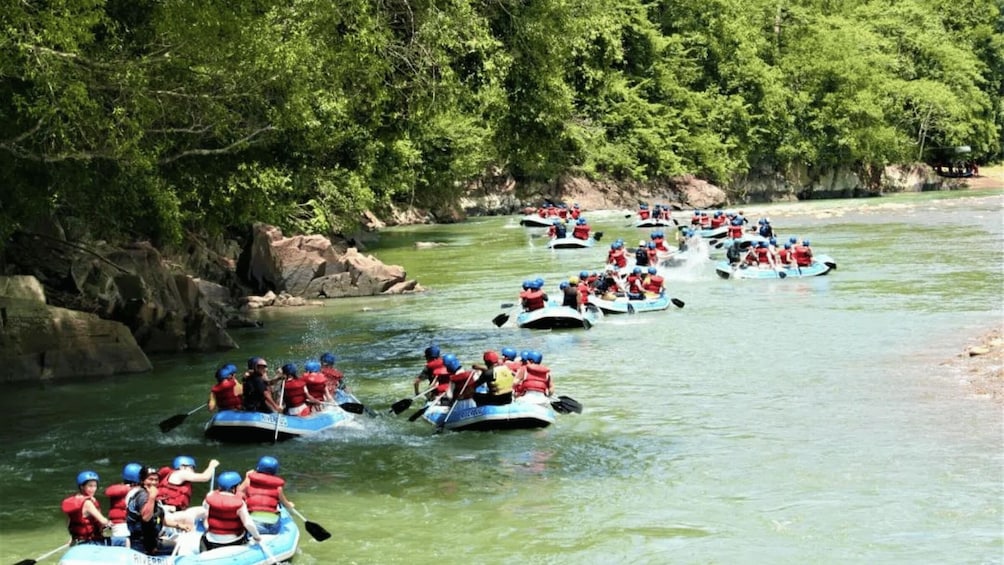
(573, 280)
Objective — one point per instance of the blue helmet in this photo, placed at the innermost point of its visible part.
(311, 367)
(228, 480)
(328, 358)
(761, 221)
(223, 373)
(289, 369)
(509, 353)
(451, 362)
(651, 245)
(787, 246)
(563, 285)
(792, 239)
(183, 460)
(805, 243)
(581, 221)
(583, 274)
(762, 244)
(636, 271)
(268, 465)
(527, 284)
(84, 476)
(251, 362)
(130, 473)
(773, 241)
(652, 270)
(432, 352)
(525, 355)
(538, 282)
(536, 357)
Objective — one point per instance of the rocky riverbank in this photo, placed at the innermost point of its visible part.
(981, 365)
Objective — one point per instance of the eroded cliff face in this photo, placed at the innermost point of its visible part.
(41, 342)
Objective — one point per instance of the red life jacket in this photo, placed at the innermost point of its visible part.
(222, 517)
(442, 377)
(533, 299)
(226, 398)
(762, 255)
(634, 284)
(653, 256)
(174, 495)
(717, 221)
(317, 384)
(263, 492)
(513, 366)
(584, 292)
(644, 213)
(580, 232)
(705, 221)
(537, 378)
(117, 502)
(295, 392)
(81, 528)
(653, 284)
(784, 255)
(618, 258)
(735, 231)
(803, 256)
(334, 377)
(463, 384)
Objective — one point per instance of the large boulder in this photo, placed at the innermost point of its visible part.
(309, 266)
(38, 341)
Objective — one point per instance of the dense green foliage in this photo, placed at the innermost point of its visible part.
(144, 118)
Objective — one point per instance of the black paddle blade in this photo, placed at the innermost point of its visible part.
(166, 426)
(353, 407)
(317, 531)
(401, 405)
(571, 404)
(630, 309)
(26, 562)
(782, 274)
(831, 265)
(677, 302)
(505, 305)
(598, 235)
(500, 320)
(418, 413)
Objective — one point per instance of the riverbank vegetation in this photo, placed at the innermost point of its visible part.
(143, 119)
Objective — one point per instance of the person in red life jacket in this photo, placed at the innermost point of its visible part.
(175, 489)
(433, 361)
(695, 219)
(228, 521)
(718, 220)
(329, 371)
(763, 255)
(294, 392)
(735, 229)
(658, 237)
(461, 382)
(584, 288)
(534, 297)
(581, 229)
(227, 393)
(652, 284)
(499, 379)
(262, 492)
(118, 498)
(150, 526)
(652, 253)
(705, 220)
(643, 212)
(665, 213)
(317, 384)
(803, 254)
(533, 377)
(616, 256)
(576, 212)
(85, 521)
(633, 284)
(257, 395)
(785, 257)
(563, 212)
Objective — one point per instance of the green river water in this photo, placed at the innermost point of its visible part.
(794, 421)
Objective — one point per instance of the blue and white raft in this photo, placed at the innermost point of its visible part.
(277, 548)
(537, 221)
(236, 426)
(569, 242)
(530, 411)
(621, 304)
(654, 223)
(821, 265)
(554, 317)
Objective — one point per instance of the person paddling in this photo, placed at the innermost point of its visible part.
(262, 492)
(228, 521)
(175, 489)
(227, 393)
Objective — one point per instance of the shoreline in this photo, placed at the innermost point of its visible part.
(981, 364)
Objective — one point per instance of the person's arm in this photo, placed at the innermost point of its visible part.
(91, 510)
(285, 501)
(146, 511)
(276, 407)
(187, 475)
(243, 487)
(249, 524)
(212, 402)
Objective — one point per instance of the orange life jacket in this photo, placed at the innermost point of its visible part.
(81, 528)
(537, 378)
(117, 502)
(295, 392)
(177, 496)
(226, 398)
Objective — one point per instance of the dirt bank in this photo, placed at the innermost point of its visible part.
(981, 364)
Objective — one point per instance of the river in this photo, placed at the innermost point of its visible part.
(794, 421)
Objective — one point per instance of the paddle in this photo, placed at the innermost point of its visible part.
(405, 403)
(43, 556)
(677, 302)
(566, 405)
(418, 413)
(282, 392)
(268, 554)
(598, 236)
(176, 420)
(315, 530)
(442, 423)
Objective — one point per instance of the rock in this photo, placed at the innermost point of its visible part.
(22, 287)
(978, 350)
(39, 341)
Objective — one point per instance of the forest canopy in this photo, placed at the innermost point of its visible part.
(146, 118)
